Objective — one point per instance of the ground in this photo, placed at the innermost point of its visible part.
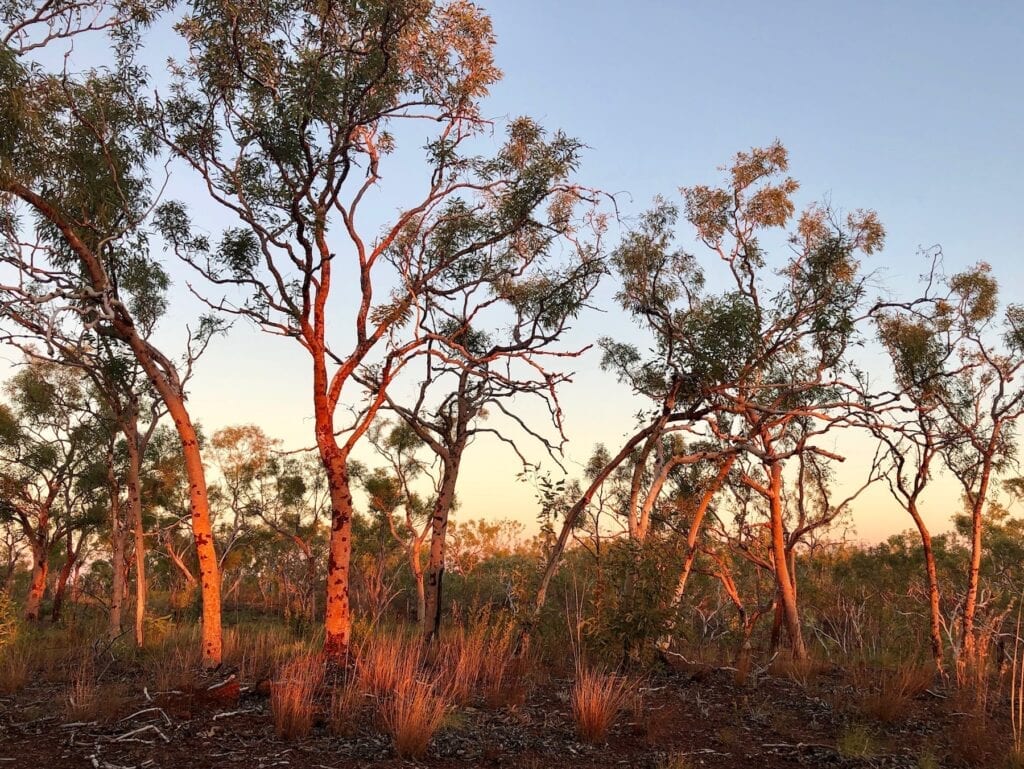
(696, 717)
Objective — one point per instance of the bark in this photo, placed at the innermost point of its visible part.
(438, 546)
(783, 579)
(935, 615)
(974, 572)
(117, 544)
(135, 509)
(202, 532)
(338, 619)
(37, 587)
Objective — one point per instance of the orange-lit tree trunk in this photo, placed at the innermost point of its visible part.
(202, 527)
(934, 606)
(783, 579)
(37, 585)
(163, 375)
(338, 617)
(977, 501)
(693, 532)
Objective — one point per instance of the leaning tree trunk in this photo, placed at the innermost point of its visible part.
(934, 606)
(691, 547)
(163, 375)
(783, 579)
(568, 526)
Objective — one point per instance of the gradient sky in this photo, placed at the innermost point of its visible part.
(911, 108)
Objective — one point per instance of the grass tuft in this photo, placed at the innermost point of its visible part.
(597, 698)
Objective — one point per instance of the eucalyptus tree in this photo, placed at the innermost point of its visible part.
(48, 442)
(123, 393)
(660, 286)
(291, 115)
(911, 431)
(779, 376)
(475, 369)
(958, 354)
(75, 155)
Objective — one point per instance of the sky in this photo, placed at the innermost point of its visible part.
(912, 108)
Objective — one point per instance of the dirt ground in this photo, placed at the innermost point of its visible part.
(678, 720)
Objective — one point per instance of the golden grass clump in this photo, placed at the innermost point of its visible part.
(15, 665)
(889, 698)
(463, 661)
(597, 698)
(412, 714)
(293, 695)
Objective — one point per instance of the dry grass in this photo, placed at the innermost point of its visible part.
(800, 671)
(463, 661)
(348, 701)
(888, 698)
(505, 677)
(88, 700)
(174, 664)
(413, 714)
(293, 695)
(15, 665)
(597, 698)
(384, 661)
(410, 709)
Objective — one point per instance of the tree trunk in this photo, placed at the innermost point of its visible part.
(934, 606)
(117, 543)
(202, 528)
(691, 545)
(60, 588)
(417, 572)
(974, 572)
(338, 619)
(37, 587)
(438, 547)
(164, 376)
(783, 579)
(135, 510)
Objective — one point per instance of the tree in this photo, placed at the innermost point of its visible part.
(47, 443)
(958, 354)
(778, 350)
(75, 153)
(290, 116)
(911, 432)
